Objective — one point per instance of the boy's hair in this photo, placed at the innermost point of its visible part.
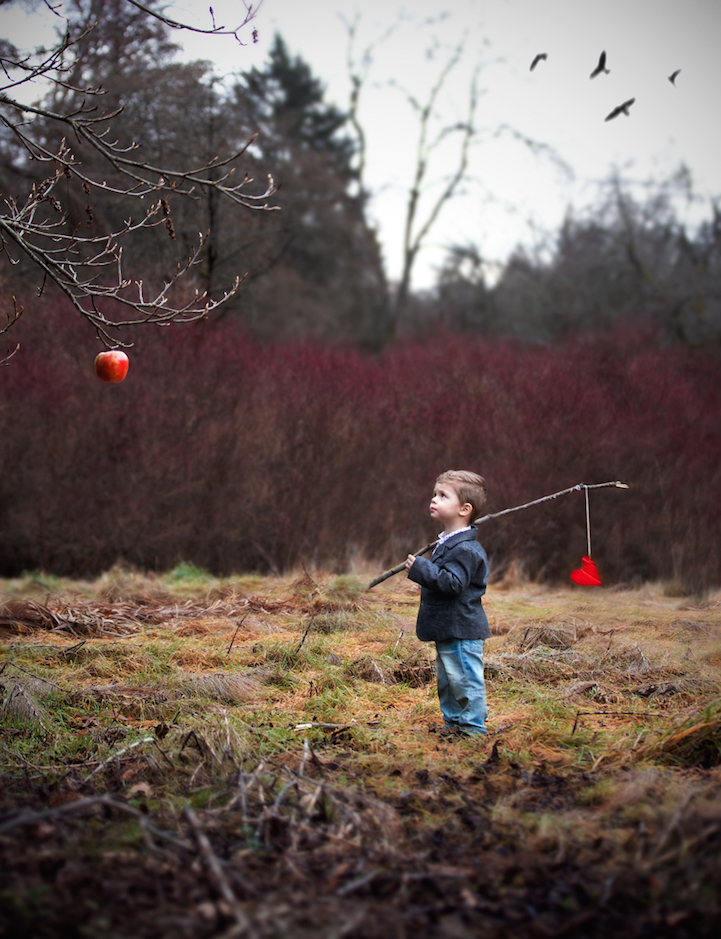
(469, 487)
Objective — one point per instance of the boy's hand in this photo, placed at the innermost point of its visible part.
(409, 561)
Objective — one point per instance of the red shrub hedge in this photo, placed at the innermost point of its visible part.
(238, 456)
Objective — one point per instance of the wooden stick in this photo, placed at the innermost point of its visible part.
(240, 623)
(300, 644)
(485, 518)
(116, 755)
(217, 874)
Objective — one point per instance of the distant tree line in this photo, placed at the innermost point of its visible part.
(624, 259)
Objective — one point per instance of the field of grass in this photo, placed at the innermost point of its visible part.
(188, 756)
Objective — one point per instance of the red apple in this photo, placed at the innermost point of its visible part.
(111, 365)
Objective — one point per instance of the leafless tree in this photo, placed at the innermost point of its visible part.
(88, 154)
(431, 136)
(439, 172)
(416, 229)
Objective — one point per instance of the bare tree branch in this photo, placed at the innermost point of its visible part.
(89, 268)
(250, 14)
(414, 233)
(358, 70)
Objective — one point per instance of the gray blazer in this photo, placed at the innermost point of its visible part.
(452, 584)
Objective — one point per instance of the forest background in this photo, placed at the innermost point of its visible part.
(305, 420)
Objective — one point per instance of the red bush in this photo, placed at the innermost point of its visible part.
(240, 456)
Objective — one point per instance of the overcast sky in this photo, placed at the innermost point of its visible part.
(512, 193)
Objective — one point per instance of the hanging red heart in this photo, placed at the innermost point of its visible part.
(586, 575)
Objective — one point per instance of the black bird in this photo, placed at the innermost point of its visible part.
(673, 75)
(538, 58)
(621, 109)
(601, 67)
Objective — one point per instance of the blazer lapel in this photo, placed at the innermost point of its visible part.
(440, 551)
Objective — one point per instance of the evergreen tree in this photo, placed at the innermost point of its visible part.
(286, 103)
(322, 270)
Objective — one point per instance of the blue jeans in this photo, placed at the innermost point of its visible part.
(461, 686)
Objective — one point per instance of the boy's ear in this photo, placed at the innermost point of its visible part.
(466, 508)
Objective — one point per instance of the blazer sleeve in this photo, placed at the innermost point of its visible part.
(451, 579)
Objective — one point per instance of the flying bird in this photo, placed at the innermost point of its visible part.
(672, 77)
(601, 67)
(621, 109)
(538, 58)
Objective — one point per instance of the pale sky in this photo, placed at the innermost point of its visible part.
(511, 194)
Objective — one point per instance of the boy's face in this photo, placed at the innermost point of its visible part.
(447, 508)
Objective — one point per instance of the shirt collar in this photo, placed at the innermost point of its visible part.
(444, 537)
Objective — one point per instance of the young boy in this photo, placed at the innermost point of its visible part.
(451, 613)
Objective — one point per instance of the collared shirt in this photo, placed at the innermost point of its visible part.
(444, 537)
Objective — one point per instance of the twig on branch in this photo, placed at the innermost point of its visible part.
(516, 508)
(6, 358)
(250, 14)
(89, 268)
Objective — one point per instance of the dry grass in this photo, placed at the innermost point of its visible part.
(304, 704)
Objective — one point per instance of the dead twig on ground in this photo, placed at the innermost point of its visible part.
(29, 817)
(117, 755)
(605, 714)
(321, 724)
(217, 874)
(240, 623)
(308, 629)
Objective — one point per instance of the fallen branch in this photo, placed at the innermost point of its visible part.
(485, 518)
(322, 724)
(29, 817)
(115, 756)
(605, 714)
(220, 881)
(32, 675)
(308, 628)
(240, 623)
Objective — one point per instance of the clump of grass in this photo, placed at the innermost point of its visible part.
(695, 742)
(124, 582)
(346, 588)
(632, 658)
(552, 637)
(39, 582)
(22, 701)
(333, 621)
(593, 690)
(187, 574)
(540, 664)
(415, 670)
(231, 687)
(368, 669)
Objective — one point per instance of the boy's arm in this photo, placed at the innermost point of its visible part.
(451, 579)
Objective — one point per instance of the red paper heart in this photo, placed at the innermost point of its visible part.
(586, 575)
